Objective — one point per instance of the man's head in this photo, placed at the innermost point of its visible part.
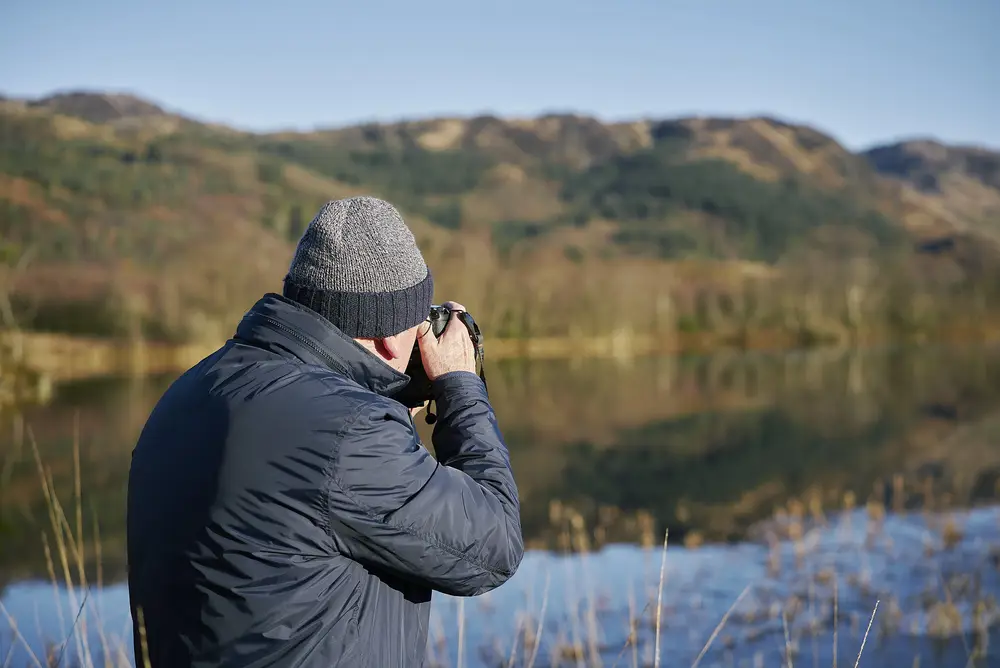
(358, 265)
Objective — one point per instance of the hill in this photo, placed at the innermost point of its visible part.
(97, 107)
(961, 183)
(143, 221)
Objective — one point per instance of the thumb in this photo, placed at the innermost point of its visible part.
(422, 331)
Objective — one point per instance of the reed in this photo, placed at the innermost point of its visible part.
(86, 642)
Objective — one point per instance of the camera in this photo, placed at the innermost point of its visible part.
(419, 389)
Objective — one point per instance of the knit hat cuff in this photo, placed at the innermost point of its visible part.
(368, 315)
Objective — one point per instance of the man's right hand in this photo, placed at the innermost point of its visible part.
(452, 352)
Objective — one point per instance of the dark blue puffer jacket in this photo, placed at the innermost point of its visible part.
(283, 512)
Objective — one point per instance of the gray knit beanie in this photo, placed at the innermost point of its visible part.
(358, 265)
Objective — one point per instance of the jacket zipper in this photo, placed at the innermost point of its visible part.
(325, 356)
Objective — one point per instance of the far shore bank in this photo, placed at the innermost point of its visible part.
(55, 358)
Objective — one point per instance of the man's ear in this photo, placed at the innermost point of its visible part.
(392, 347)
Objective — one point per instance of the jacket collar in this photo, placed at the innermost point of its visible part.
(287, 328)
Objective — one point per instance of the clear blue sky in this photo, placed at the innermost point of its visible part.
(866, 71)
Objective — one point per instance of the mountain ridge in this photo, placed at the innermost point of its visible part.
(138, 100)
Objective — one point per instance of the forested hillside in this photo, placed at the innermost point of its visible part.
(118, 218)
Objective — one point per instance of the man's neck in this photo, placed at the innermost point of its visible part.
(371, 347)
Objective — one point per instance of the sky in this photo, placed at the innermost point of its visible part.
(865, 71)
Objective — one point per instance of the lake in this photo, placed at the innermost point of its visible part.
(799, 491)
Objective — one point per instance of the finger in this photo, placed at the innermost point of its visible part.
(454, 322)
(425, 338)
(453, 306)
(457, 328)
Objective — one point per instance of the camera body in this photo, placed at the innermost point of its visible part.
(419, 389)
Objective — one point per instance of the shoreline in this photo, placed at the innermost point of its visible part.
(779, 527)
(53, 358)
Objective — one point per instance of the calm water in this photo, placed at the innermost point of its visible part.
(804, 488)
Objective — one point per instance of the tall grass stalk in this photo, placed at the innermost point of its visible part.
(66, 557)
(659, 598)
(721, 624)
(633, 625)
(788, 642)
(865, 639)
(18, 637)
(541, 622)
(461, 633)
(836, 620)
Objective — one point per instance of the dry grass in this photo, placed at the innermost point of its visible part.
(86, 643)
(66, 564)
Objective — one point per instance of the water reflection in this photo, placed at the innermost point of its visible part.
(707, 446)
(759, 448)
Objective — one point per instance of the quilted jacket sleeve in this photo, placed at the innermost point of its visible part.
(452, 524)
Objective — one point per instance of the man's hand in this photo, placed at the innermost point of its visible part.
(452, 352)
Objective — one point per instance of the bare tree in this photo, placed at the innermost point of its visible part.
(9, 275)
(11, 345)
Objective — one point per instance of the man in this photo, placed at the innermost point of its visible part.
(282, 511)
